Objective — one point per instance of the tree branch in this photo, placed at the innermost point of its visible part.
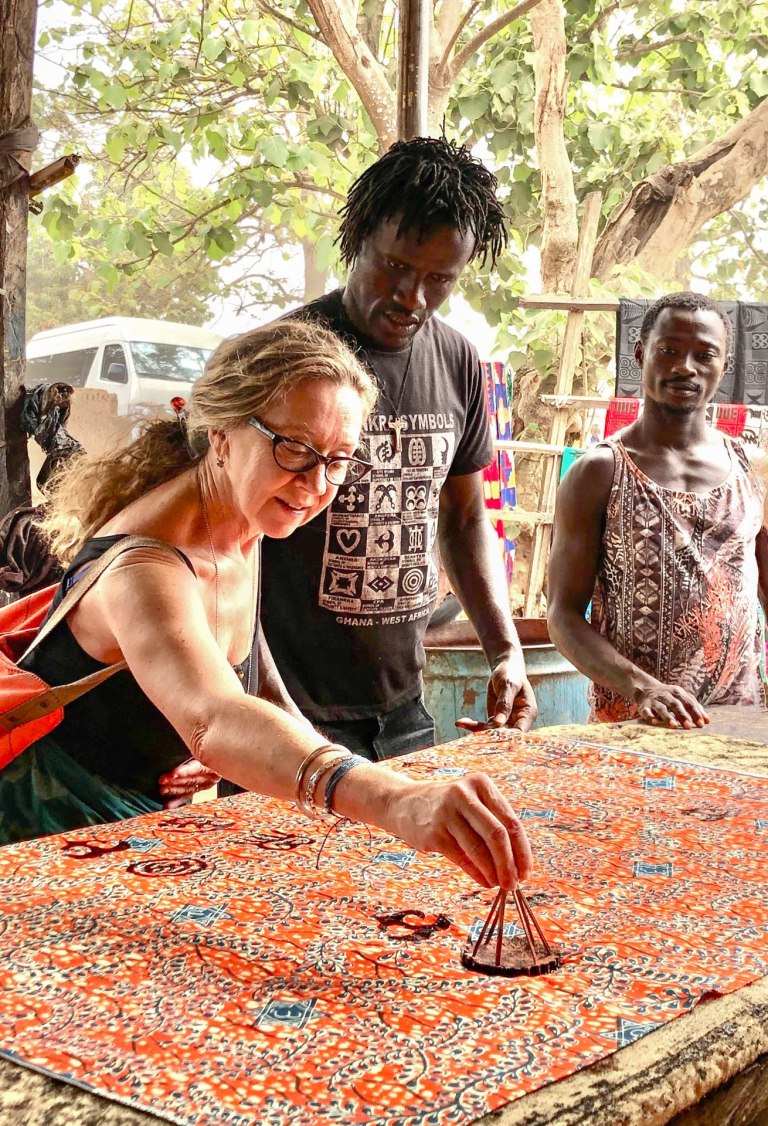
(664, 213)
(491, 29)
(337, 27)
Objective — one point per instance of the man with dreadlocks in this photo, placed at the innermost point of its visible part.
(347, 599)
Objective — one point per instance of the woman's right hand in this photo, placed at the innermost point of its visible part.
(468, 820)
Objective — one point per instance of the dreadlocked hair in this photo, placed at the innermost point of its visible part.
(428, 182)
(243, 377)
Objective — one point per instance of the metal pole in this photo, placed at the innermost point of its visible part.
(413, 75)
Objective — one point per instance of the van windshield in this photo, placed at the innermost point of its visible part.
(176, 363)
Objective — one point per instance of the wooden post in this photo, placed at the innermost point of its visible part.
(568, 357)
(413, 73)
(17, 45)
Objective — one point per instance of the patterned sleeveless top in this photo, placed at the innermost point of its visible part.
(676, 588)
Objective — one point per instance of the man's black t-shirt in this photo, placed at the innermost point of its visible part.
(346, 599)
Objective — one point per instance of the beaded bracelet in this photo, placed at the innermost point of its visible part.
(307, 803)
(301, 773)
(343, 767)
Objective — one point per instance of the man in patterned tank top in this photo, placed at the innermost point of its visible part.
(661, 528)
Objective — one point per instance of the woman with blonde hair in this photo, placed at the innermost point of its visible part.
(271, 433)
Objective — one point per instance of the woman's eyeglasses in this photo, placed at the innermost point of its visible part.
(299, 457)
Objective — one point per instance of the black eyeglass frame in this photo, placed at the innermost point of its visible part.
(278, 439)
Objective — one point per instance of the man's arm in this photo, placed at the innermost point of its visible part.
(582, 500)
(271, 684)
(473, 563)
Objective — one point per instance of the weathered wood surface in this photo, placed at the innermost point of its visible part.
(17, 37)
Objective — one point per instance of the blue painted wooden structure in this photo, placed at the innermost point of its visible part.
(455, 680)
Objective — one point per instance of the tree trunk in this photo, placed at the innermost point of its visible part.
(558, 198)
(17, 18)
(314, 279)
(664, 213)
(336, 23)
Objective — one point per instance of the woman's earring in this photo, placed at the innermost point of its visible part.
(220, 462)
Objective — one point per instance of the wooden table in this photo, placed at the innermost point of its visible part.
(708, 1068)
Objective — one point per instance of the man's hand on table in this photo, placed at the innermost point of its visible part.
(510, 699)
(668, 705)
(188, 778)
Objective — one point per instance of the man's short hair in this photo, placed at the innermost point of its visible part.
(685, 300)
(429, 182)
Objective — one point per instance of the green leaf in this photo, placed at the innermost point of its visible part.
(219, 242)
(274, 150)
(138, 243)
(475, 106)
(503, 74)
(759, 83)
(110, 274)
(115, 96)
(324, 253)
(213, 49)
(162, 242)
(116, 145)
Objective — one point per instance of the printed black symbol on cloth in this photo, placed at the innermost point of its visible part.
(280, 842)
(706, 811)
(412, 581)
(416, 498)
(183, 866)
(386, 493)
(385, 452)
(348, 539)
(412, 926)
(351, 498)
(196, 822)
(380, 584)
(343, 582)
(417, 451)
(83, 850)
(386, 540)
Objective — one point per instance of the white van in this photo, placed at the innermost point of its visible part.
(144, 363)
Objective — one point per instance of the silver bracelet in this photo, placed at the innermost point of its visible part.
(306, 802)
(306, 762)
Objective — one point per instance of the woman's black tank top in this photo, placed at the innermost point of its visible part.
(114, 731)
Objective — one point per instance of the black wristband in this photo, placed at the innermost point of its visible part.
(336, 777)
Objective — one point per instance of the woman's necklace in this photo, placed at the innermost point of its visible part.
(254, 591)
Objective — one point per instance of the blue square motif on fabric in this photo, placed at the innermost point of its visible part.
(627, 1031)
(537, 815)
(453, 771)
(643, 868)
(511, 930)
(762, 825)
(142, 844)
(295, 1014)
(666, 783)
(401, 859)
(191, 913)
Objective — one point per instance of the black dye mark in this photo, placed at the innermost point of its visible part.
(279, 842)
(83, 850)
(412, 926)
(192, 823)
(184, 866)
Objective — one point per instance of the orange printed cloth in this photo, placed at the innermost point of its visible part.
(215, 966)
